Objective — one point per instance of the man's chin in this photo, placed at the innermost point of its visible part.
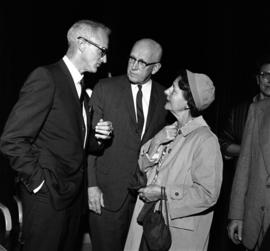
(132, 80)
(94, 70)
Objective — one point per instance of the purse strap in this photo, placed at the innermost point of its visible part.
(164, 198)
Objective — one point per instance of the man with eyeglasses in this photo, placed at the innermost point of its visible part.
(234, 143)
(135, 105)
(47, 138)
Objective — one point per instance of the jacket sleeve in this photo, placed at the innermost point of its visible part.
(96, 104)
(234, 127)
(23, 126)
(227, 135)
(206, 174)
(94, 146)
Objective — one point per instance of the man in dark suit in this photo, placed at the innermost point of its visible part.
(136, 116)
(47, 136)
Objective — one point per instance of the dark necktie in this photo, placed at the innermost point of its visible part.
(82, 98)
(83, 92)
(140, 117)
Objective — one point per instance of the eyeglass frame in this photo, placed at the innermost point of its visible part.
(103, 50)
(140, 62)
(264, 76)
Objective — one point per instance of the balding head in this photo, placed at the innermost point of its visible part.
(144, 60)
(152, 47)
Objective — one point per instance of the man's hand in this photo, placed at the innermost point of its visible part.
(103, 129)
(95, 199)
(235, 228)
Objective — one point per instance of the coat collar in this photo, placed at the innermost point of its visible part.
(192, 125)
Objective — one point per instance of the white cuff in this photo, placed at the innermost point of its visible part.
(39, 187)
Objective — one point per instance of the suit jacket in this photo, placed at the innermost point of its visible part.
(112, 171)
(250, 197)
(44, 134)
(234, 127)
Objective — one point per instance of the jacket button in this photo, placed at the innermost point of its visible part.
(176, 193)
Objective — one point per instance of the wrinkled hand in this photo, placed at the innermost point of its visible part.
(95, 199)
(167, 134)
(234, 229)
(150, 193)
(103, 129)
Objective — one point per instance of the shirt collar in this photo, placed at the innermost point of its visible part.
(76, 75)
(193, 125)
(146, 85)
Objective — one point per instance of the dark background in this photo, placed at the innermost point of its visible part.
(223, 41)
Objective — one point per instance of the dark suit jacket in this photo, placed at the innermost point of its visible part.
(44, 134)
(112, 171)
(233, 130)
(250, 196)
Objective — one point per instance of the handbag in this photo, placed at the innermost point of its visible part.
(156, 233)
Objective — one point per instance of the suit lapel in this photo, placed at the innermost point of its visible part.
(70, 82)
(151, 110)
(128, 101)
(74, 96)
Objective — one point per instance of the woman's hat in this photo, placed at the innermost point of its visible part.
(202, 89)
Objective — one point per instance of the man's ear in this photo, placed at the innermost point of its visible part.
(81, 45)
(156, 68)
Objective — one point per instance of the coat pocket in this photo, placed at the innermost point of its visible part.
(187, 223)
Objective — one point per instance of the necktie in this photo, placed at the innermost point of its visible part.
(140, 117)
(82, 97)
(83, 92)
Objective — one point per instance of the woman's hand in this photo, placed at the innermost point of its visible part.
(167, 134)
(150, 193)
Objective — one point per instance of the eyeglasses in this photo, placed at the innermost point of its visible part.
(265, 76)
(141, 63)
(103, 50)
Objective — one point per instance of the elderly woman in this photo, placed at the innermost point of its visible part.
(184, 158)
